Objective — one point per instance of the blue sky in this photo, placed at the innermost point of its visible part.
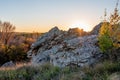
(41, 15)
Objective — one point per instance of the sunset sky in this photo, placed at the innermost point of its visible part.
(42, 15)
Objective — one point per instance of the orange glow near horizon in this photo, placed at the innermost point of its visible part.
(81, 25)
(63, 25)
(46, 28)
(42, 15)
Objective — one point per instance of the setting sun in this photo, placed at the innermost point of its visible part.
(83, 26)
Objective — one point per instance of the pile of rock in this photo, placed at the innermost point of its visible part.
(63, 48)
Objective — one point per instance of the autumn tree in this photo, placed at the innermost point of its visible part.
(109, 36)
(105, 41)
(6, 32)
(114, 27)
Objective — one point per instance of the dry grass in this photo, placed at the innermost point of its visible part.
(24, 71)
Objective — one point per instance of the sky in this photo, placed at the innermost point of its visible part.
(42, 15)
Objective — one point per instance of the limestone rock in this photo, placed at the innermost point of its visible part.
(64, 48)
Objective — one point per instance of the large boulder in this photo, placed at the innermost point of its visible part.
(8, 64)
(64, 48)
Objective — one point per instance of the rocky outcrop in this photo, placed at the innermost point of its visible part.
(64, 48)
(96, 29)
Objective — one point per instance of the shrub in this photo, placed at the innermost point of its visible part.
(109, 36)
(105, 41)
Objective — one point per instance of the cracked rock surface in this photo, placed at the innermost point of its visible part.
(64, 48)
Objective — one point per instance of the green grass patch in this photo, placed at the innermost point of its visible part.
(100, 71)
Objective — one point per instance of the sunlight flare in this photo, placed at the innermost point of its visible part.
(79, 25)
